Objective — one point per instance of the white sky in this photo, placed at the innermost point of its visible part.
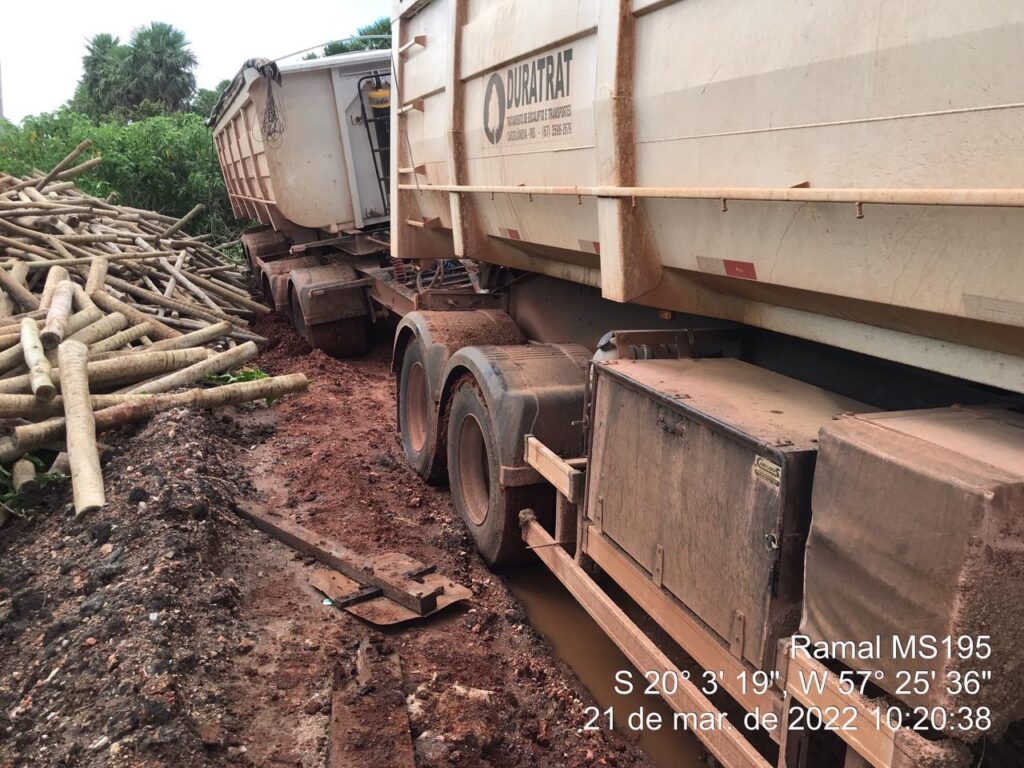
(42, 43)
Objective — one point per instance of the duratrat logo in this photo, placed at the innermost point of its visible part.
(546, 78)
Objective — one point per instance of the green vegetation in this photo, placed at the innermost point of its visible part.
(151, 75)
(11, 499)
(381, 26)
(166, 163)
(248, 373)
(138, 103)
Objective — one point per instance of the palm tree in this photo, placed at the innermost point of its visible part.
(381, 26)
(160, 67)
(102, 85)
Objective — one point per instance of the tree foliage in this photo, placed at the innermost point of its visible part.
(165, 163)
(206, 99)
(153, 74)
(161, 66)
(381, 26)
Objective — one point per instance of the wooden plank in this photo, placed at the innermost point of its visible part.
(371, 701)
(567, 480)
(416, 597)
(727, 743)
(380, 610)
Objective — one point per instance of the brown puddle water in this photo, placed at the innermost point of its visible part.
(595, 659)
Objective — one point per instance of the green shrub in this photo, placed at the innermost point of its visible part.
(166, 163)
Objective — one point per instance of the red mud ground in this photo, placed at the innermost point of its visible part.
(165, 632)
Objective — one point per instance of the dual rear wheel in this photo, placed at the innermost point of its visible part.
(467, 442)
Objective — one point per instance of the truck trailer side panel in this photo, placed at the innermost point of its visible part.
(833, 171)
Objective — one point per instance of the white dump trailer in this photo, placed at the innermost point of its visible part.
(763, 331)
(304, 150)
(324, 164)
(840, 172)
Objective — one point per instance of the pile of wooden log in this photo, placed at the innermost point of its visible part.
(104, 311)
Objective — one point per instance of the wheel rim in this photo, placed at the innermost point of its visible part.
(416, 408)
(474, 470)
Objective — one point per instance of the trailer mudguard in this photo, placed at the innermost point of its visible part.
(441, 334)
(327, 293)
(530, 389)
(274, 278)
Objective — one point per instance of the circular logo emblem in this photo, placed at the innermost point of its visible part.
(494, 114)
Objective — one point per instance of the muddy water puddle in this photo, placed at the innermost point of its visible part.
(595, 659)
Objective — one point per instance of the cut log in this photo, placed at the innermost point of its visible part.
(61, 465)
(158, 299)
(101, 329)
(11, 357)
(120, 370)
(58, 314)
(71, 156)
(97, 274)
(224, 361)
(28, 407)
(80, 428)
(122, 339)
(32, 436)
(107, 302)
(53, 279)
(23, 475)
(199, 293)
(22, 296)
(196, 338)
(183, 221)
(38, 365)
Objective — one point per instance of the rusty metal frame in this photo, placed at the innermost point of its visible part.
(983, 198)
(878, 748)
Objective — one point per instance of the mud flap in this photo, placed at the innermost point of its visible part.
(329, 308)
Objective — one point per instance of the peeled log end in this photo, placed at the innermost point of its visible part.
(44, 391)
(50, 340)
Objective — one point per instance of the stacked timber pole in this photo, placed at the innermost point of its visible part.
(106, 313)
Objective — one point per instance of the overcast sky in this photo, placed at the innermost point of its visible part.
(42, 43)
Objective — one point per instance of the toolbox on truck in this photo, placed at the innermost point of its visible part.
(917, 533)
(701, 471)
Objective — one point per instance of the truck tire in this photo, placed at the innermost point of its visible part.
(340, 338)
(489, 509)
(417, 418)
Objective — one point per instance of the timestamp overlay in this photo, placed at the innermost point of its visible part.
(926, 684)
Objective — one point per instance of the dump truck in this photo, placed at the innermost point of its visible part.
(717, 311)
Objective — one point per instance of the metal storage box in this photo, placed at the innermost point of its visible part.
(701, 472)
(917, 530)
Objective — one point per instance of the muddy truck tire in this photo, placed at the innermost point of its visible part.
(339, 338)
(489, 509)
(417, 419)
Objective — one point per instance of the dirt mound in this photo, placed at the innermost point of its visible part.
(107, 621)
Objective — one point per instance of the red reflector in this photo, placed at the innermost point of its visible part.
(742, 269)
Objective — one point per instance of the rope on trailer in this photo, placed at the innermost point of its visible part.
(274, 121)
